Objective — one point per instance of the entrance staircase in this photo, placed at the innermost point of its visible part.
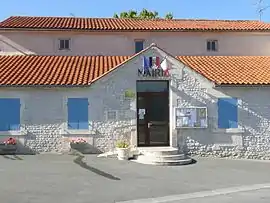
(166, 156)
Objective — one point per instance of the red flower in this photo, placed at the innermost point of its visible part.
(11, 141)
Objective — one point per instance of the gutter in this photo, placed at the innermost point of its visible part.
(131, 30)
(243, 86)
(48, 86)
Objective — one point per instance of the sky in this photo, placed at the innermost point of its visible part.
(202, 9)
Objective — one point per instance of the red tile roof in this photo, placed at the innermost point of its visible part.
(55, 70)
(84, 70)
(113, 24)
(234, 70)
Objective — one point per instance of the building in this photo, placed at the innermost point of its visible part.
(124, 37)
(210, 105)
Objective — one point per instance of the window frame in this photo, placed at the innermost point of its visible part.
(211, 41)
(59, 44)
(136, 41)
(111, 111)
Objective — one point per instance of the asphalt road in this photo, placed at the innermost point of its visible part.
(63, 178)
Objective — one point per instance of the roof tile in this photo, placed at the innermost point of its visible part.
(84, 70)
(114, 24)
(55, 70)
(234, 70)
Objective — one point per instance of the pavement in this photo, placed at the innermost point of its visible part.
(68, 179)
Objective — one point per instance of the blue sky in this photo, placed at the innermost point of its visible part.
(206, 9)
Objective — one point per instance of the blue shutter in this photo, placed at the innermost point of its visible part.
(78, 113)
(138, 46)
(9, 114)
(227, 113)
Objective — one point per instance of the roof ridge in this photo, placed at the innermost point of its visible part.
(157, 19)
(128, 24)
(222, 56)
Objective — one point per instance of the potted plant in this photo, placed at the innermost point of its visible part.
(130, 94)
(8, 146)
(78, 143)
(122, 148)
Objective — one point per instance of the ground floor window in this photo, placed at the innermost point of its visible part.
(10, 114)
(227, 113)
(78, 113)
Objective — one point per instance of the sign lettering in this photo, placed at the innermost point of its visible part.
(153, 68)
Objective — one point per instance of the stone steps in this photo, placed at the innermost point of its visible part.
(166, 156)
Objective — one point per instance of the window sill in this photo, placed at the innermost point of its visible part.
(68, 132)
(12, 133)
(64, 50)
(229, 130)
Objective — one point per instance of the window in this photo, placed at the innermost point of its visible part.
(227, 113)
(152, 86)
(64, 44)
(9, 114)
(111, 115)
(78, 113)
(138, 45)
(212, 45)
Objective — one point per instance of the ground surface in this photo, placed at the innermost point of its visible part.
(57, 178)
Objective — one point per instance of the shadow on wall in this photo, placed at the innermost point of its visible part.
(252, 119)
(23, 149)
(107, 132)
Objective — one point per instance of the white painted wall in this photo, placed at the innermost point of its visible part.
(113, 43)
(44, 114)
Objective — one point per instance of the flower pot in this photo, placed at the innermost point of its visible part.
(123, 153)
(81, 147)
(8, 149)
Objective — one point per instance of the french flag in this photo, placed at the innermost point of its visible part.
(151, 62)
(145, 64)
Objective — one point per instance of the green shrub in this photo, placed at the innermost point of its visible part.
(129, 94)
(122, 144)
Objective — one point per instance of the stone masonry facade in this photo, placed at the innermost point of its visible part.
(44, 114)
(252, 138)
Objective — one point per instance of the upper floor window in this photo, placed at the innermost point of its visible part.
(138, 45)
(64, 44)
(212, 45)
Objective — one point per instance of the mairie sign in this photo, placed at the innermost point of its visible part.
(153, 67)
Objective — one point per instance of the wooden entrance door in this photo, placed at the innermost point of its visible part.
(153, 116)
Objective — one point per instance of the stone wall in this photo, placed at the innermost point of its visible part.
(44, 114)
(251, 139)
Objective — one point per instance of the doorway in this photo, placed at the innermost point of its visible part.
(153, 113)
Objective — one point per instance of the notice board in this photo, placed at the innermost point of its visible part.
(191, 117)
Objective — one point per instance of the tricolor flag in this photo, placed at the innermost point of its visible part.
(164, 66)
(145, 64)
(151, 62)
(155, 62)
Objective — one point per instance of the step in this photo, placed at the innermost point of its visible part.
(173, 162)
(164, 162)
(163, 157)
(162, 151)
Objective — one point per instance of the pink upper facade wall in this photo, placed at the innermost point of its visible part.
(122, 43)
